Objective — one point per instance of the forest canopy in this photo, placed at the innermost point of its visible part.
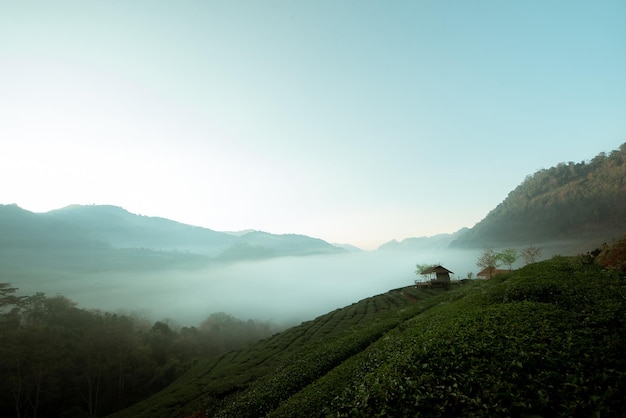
(57, 359)
(569, 201)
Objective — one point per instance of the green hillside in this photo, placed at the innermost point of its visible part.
(574, 201)
(545, 340)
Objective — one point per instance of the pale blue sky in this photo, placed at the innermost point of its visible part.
(352, 121)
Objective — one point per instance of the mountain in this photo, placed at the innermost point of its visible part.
(348, 247)
(583, 201)
(288, 244)
(122, 229)
(422, 243)
(20, 228)
(105, 226)
(521, 344)
(258, 244)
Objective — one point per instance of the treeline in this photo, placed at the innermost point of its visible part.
(569, 201)
(58, 360)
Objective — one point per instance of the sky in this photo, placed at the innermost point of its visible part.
(351, 121)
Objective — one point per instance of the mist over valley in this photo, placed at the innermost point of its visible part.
(249, 275)
(285, 290)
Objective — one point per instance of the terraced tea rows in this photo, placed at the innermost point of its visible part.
(256, 379)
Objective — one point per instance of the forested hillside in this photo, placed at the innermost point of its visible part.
(572, 201)
(57, 359)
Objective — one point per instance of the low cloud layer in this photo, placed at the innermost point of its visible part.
(285, 290)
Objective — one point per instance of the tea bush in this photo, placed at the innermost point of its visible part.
(545, 341)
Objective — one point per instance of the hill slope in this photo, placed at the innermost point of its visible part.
(573, 201)
(524, 343)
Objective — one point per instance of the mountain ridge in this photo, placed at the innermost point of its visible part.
(437, 241)
(108, 226)
(573, 201)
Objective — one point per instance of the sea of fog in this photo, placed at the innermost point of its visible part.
(285, 290)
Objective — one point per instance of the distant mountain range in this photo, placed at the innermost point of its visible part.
(583, 201)
(438, 241)
(103, 226)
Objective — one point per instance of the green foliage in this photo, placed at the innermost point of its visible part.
(508, 257)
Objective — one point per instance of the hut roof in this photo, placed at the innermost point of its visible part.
(436, 269)
(494, 271)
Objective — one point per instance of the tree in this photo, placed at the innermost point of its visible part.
(7, 296)
(613, 258)
(30, 354)
(421, 268)
(9, 307)
(57, 359)
(488, 260)
(508, 257)
(530, 254)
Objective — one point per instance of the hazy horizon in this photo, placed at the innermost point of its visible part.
(353, 122)
(243, 231)
(284, 290)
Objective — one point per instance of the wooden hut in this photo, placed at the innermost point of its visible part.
(442, 274)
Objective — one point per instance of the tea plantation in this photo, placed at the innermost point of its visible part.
(545, 340)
